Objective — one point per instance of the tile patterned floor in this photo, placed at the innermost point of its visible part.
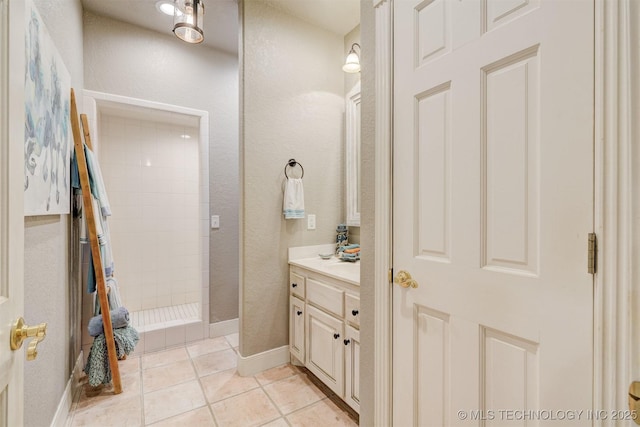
(197, 385)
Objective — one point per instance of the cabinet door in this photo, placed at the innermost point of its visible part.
(352, 368)
(296, 328)
(325, 348)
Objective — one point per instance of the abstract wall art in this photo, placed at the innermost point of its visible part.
(47, 133)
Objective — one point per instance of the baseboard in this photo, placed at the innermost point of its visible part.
(256, 363)
(223, 328)
(66, 402)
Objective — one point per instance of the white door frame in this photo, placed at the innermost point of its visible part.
(383, 326)
(11, 198)
(613, 207)
(613, 204)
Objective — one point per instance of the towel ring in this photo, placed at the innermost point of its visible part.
(293, 163)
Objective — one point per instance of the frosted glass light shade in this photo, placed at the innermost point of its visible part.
(352, 64)
(166, 7)
(187, 20)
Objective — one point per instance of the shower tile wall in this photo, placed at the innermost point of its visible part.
(151, 172)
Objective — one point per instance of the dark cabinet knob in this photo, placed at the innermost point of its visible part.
(355, 312)
(299, 313)
(346, 342)
(336, 336)
(294, 285)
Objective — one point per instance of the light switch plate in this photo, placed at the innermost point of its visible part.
(215, 221)
(311, 222)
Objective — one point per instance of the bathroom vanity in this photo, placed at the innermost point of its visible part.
(324, 319)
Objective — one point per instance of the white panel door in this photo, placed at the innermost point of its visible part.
(11, 206)
(493, 202)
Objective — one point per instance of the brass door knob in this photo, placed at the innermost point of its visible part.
(634, 401)
(20, 331)
(404, 279)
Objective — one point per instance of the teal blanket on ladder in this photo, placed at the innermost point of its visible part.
(97, 368)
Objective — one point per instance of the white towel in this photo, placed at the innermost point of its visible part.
(293, 199)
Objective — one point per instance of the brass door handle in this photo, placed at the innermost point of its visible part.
(404, 279)
(634, 400)
(20, 331)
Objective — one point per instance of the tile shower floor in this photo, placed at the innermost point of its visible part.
(197, 385)
(165, 317)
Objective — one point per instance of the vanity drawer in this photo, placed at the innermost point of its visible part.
(352, 309)
(325, 297)
(297, 284)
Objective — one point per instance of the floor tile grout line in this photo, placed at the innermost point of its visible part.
(327, 393)
(207, 403)
(302, 408)
(284, 416)
(260, 386)
(183, 382)
(229, 342)
(271, 399)
(305, 406)
(228, 397)
(279, 379)
(172, 385)
(143, 421)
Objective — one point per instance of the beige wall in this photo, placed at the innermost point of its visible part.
(51, 293)
(125, 60)
(292, 105)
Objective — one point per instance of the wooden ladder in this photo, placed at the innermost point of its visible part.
(90, 218)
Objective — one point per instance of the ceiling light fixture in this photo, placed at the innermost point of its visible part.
(187, 20)
(352, 64)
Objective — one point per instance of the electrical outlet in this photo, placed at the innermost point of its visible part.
(215, 221)
(311, 222)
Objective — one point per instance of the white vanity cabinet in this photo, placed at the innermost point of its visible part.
(324, 323)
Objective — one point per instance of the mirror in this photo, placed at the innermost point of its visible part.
(352, 112)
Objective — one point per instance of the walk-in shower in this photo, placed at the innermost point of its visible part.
(154, 160)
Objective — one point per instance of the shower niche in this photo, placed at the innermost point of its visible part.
(155, 164)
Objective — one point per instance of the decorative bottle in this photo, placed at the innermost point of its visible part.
(342, 238)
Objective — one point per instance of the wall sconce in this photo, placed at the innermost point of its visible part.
(352, 64)
(187, 20)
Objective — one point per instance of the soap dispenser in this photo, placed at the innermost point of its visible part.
(342, 238)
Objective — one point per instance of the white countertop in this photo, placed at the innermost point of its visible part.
(307, 257)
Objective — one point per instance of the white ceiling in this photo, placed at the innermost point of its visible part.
(221, 16)
(338, 16)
